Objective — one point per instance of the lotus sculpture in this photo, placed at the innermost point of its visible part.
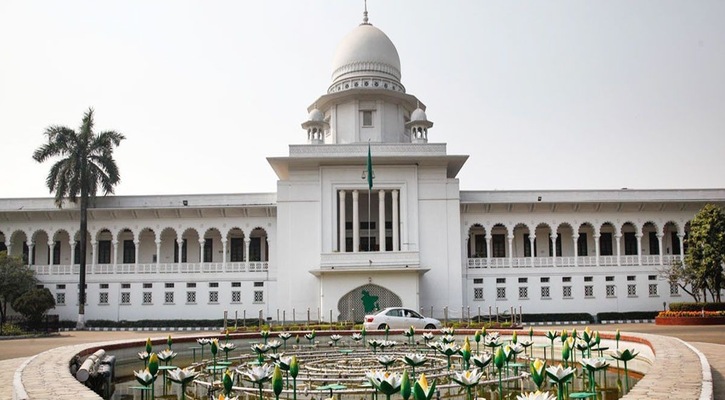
(183, 377)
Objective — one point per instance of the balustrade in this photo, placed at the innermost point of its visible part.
(568, 262)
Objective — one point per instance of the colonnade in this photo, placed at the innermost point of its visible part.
(342, 196)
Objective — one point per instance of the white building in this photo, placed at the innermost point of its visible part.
(327, 243)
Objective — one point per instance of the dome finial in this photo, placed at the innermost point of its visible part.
(365, 14)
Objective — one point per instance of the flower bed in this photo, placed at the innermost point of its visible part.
(690, 318)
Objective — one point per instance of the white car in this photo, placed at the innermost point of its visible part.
(399, 318)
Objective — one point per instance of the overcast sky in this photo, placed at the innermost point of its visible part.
(541, 95)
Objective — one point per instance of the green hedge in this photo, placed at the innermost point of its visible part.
(151, 323)
(561, 317)
(623, 316)
(697, 306)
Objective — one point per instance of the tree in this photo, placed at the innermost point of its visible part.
(33, 304)
(15, 279)
(702, 269)
(706, 250)
(85, 164)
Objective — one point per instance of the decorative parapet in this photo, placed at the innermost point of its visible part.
(373, 260)
(361, 150)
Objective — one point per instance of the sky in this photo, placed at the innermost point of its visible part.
(541, 95)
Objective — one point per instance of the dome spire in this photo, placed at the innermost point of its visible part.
(365, 14)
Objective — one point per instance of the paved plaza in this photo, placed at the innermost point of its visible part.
(14, 352)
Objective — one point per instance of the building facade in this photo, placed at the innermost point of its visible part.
(328, 245)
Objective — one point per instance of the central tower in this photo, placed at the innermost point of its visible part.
(397, 240)
(366, 100)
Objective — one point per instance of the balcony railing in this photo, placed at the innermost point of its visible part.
(568, 262)
(154, 268)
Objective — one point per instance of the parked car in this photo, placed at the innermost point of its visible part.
(399, 318)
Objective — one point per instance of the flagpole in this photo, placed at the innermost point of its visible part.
(369, 190)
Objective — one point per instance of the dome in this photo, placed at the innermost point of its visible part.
(418, 115)
(366, 52)
(316, 116)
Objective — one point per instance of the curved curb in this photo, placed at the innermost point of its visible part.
(19, 392)
(707, 388)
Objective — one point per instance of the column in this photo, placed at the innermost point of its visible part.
(114, 253)
(596, 247)
(8, 246)
(263, 248)
(158, 254)
(135, 251)
(659, 245)
(552, 237)
(639, 248)
(381, 219)
(575, 239)
(355, 221)
(180, 243)
(72, 244)
(51, 247)
(511, 250)
(247, 241)
(224, 253)
(532, 241)
(396, 221)
(342, 233)
(618, 238)
(94, 249)
(201, 251)
(681, 236)
(488, 249)
(31, 259)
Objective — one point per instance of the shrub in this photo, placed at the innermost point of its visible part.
(691, 314)
(697, 306)
(621, 316)
(9, 329)
(559, 317)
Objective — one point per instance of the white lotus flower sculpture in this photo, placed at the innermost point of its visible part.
(560, 376)
(183, 377)
(386, 382)
(537, 395)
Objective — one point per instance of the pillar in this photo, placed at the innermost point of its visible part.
(180, 243)
(396, 221)
(114, 253)
(532, 242)
(158, 253)
(31, 259)
(247, 241)
(639, 248)
(224, 253)
(201, 251)
(552, 237)
(659, 246)
(575, 239)
(355, 221)
(135, 251)
(343, 231)
(618, 237)
(488, 249)
(51, 247)
(681, 236)
(263, 248)
(511, 250)
(596, 237)
(72, 244)
(94, 249)
(381, 219)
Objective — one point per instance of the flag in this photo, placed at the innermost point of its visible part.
(370, 169)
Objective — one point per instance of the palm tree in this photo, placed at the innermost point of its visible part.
(85, 163)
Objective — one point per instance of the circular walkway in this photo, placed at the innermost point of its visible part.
(15, 352)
